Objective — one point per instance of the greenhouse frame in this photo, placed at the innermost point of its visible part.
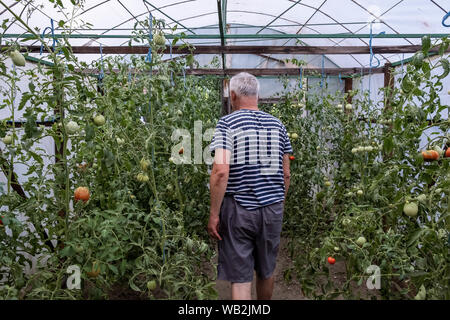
(108, 108)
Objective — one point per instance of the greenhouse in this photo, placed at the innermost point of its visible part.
(114, 116)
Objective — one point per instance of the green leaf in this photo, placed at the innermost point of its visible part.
(445, 67)
(444, 46)
(90, 132)
(388, 144)
(113, 269)
(426, 44)
(68, 251)
(24, 100)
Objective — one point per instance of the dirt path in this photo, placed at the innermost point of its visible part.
(282, 290)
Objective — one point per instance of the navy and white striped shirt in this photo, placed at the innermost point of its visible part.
(257, 141)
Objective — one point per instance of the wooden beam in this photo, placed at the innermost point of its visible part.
(260, 71)
(241, 49)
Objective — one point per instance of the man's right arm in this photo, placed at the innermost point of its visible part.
(286, 173)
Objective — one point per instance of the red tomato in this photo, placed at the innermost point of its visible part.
(447, 153)
(81, 193)
(1, 222)
(331, 260)
(181, 151)
(291, 158)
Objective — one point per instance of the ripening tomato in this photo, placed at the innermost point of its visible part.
(447, 153)
(95, 271)
(82, 193)
(291, 158)
(430, 155)
(331, 260)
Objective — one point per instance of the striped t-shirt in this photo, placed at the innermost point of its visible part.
(257, 141)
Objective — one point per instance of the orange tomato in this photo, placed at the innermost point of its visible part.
(82, 193)
(430, 155)
(447, 153)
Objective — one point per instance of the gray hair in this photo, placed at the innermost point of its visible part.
(244, 84)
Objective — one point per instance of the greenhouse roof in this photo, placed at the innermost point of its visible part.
(250, 22)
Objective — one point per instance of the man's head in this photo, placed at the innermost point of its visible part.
(244, 90)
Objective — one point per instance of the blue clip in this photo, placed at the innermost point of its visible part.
(52, 30)
(444, 19)
(150, 36)
(101, 75)
(340, 79)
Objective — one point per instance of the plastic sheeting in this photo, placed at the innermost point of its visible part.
(316, 17)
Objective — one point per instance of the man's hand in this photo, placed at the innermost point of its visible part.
(213, 226)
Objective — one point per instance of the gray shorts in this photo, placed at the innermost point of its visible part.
(250, 240)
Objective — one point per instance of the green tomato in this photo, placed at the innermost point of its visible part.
(99, 120)
(7, 139)
(360, 192)
(422, 294)
(72, 127)
(159, 39)
(294, 136)
(422, 198)
(17, 58)
(360, 241)
(144, 163)
(348, 107)
(79, 249)
(346, 222)
(151, 285)
(411, 209)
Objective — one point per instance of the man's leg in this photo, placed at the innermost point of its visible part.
(241, 291)
(264, 288)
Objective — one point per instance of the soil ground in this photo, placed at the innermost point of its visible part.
(291, 290)
(282, 290)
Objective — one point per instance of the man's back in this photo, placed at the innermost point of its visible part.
(257, 142)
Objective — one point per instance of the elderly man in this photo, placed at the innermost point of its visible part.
(249, 182)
